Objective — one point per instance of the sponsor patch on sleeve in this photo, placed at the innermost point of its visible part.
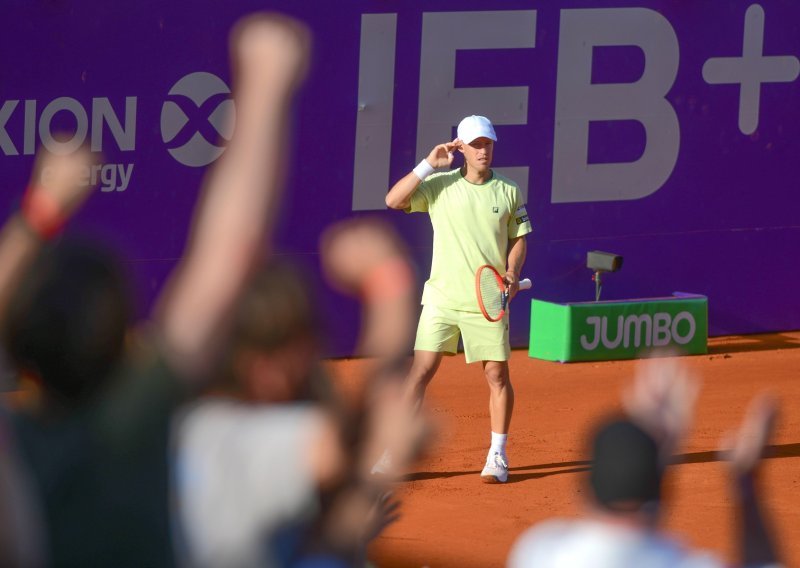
(521, 215)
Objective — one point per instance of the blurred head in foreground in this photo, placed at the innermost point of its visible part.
(67, 320)
(276, 342)
(626, 472)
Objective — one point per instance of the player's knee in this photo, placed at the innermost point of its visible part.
(497, 376)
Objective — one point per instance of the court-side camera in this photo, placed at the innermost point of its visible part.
(599, 262)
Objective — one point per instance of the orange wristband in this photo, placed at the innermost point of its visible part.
(42, 213)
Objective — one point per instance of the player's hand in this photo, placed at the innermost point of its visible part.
(512, 284)
(442, 155)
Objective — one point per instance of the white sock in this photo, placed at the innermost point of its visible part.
(498, 445)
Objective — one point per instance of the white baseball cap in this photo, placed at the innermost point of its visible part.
(474, 127)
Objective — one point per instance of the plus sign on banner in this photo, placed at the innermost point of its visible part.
(666, 132)
(751, 69)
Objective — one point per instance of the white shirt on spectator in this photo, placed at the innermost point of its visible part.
(241, 475)
(593, 544)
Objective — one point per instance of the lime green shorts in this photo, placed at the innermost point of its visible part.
(439, 329)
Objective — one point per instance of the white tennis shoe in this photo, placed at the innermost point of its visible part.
(495, 470)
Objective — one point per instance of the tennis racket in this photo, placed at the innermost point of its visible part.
(492, 292)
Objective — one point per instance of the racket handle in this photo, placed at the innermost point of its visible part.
(525, 283)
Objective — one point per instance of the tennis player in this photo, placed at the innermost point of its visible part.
(478, 218)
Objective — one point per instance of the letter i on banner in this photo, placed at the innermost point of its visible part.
(375, 104)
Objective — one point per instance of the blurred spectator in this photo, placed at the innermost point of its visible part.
(629, 457)
(21, 530)
(96, 445)
(270, 470)
(251, 455)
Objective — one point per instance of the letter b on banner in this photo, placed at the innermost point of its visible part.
(579, 102)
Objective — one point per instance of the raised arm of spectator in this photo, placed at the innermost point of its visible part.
(662, 399)
(744, 451)
(57, 188)
(365, 258)
(236, 213)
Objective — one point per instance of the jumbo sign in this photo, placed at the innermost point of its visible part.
(594, 331)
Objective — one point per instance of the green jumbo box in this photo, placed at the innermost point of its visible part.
(601, 331)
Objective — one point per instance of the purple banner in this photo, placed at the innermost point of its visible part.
(666, 132)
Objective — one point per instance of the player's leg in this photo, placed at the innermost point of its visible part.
(437, 334)
(501, 406)
(501, 395)
(488, 342)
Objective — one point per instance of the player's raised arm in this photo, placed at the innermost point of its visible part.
(236, 213)
(399, 197)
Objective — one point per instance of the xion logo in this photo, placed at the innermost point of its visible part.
(196, 113)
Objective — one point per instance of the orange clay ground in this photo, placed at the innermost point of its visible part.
(451, 519)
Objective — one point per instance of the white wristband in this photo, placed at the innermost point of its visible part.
(424, 169)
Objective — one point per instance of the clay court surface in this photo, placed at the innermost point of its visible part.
(451, 519)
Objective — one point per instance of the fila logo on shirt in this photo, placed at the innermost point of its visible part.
(495, 210)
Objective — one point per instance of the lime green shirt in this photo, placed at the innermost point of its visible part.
(472, 225)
